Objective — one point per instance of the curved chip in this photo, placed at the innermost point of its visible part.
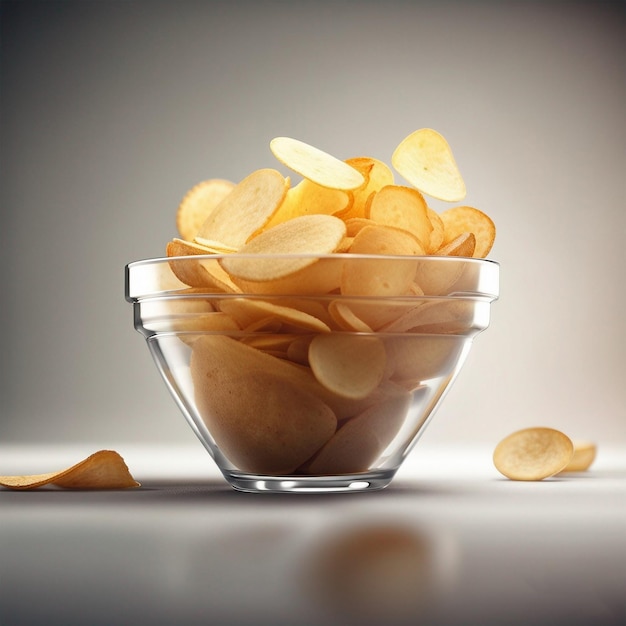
(425, 159)
(198, 203)
(315, 164)
(246, 209)
(104, 469)
(305, 237)
(584, 455)
(533, 453)
(404, 208)
(467, 219)
(351, 366)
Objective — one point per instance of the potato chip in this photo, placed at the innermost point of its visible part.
(346, 319)
(312, 235)
(463, 245)
(361, 440)
(584, 455)
(533, 453)
(381, 277)
(418, 358)
(437, 233)
(425, 159)
(465, 219)
(246, 311)
(315, 164)
(199, 273)
(404, 208)
(376, 174)
(261, 416)
(451, 316)
(246, 209)
(198, 203)
(105, 469)
(309, 198)
(352, 366)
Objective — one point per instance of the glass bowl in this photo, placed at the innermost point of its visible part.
(303, 373)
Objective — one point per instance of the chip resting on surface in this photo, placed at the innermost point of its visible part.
(584, 455)
(533, 453)
(105, 469)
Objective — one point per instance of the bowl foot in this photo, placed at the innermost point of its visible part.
(346, 483)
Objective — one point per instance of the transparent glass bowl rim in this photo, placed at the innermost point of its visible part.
(137, 265)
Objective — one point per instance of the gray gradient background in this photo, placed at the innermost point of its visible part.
(112, 110)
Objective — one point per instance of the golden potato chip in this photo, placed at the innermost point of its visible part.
(246, 209)
(198, 203)
(261, 416)
(533, 453)
(404, 208)
(315, 164)
(309, 198)
(463, 245)
(464, 219)
(425, 159)
(105, 469)
(352, 366)
(437, 233)
(376, 174)
(584, 455)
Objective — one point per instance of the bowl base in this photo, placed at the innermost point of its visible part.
(345, 483)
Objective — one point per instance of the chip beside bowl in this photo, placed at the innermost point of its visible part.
(321, 379)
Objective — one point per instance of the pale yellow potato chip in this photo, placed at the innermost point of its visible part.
(361, 440)
(315, 164)
(466, 219)
(451, 316)
(198, 203)
(404, 208)
(246, 209)
(246, 311)
(346, 319)
(351, 366)
(201, 272)
(417, 358)
(104, 469)
(584, 455)
(305, 237)
(437, 279)
(533, 453)
(381, 277)
(425, 159)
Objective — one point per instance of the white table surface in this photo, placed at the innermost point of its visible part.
(449, 542)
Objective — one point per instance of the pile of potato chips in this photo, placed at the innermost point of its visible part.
(315, 342)
(339, 206)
